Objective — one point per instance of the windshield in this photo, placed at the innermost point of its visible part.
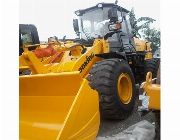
(94, 23)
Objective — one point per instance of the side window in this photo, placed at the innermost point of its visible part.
(26, 38)
(126, 26)
(128, 23)
(124, 29)
(87, 26)
(119, 16)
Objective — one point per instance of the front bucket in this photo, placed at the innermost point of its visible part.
(58, 107)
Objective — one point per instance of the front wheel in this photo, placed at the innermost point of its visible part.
(114, 81)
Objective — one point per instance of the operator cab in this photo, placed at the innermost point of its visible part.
(28, 35)
(98, 21)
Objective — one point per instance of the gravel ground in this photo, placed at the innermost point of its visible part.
(109, 128)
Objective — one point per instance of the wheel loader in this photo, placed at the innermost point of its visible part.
(151, 92)
(94, 76)
(150, 99)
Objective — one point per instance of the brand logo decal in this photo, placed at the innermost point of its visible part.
(86, 62)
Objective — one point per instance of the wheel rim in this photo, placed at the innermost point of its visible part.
(124, 86)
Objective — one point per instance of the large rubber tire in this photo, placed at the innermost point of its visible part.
(103, 77)
(151, 65)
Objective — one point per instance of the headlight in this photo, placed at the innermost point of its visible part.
(100, 5)
(77, 13)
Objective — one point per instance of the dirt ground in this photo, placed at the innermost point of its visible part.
(109, 128)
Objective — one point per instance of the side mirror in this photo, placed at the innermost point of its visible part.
(114, 26)
(112, 14)
(76, 26)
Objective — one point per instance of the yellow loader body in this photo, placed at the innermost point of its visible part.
(153, 91)
(142, 45)
(56, 101)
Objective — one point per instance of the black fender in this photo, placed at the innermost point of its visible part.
(120, 55)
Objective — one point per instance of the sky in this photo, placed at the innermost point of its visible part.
(54, 17)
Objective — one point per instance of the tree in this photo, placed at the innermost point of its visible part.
(141, 29)
(153, 36)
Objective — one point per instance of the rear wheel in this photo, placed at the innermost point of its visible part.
(114, 81)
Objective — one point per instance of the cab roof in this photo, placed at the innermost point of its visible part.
(82, 11)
